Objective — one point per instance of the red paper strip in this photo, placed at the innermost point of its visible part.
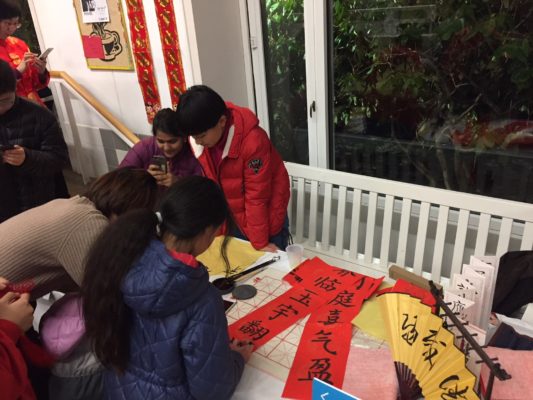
(22, 287)
(166, 20)
(326, 280)
(329, 325)
(274, 317)
(322, 353)
(143, 58)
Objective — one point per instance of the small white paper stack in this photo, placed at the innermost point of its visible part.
(472, 291)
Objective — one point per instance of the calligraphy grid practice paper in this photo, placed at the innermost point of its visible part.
(276, 356)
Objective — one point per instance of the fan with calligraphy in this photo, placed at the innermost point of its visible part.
(427, 361)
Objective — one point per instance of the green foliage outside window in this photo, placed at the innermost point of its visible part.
(440, 74)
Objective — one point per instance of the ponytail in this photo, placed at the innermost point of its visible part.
(107, 318)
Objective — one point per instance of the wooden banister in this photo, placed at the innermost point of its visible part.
(96, 104)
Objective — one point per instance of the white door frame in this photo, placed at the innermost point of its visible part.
(316, 75)
(317, 87)
(258, 62)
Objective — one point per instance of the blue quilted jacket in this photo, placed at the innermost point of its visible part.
(179, 345)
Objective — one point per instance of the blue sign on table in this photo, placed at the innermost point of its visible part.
(324, 391)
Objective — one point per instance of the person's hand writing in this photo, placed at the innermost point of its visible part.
(15, 156)
(245, 349)
(16, 308)
(271, 247)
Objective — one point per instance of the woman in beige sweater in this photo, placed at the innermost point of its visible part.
(48, 244)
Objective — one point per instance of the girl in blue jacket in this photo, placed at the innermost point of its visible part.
(155, 320)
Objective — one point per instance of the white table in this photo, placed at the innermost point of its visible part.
(255, 384)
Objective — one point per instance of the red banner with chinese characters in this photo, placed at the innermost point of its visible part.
(334, 297)
(316, 275)
(322, 353)
(274, 317)
(325, 342)
(166, 20)
(143, 58)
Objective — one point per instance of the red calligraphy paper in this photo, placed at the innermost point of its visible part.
(326, 280)
(166, 20)
(274, 317)
(329, 326)
(322, 353)
(143, 58)
(307, 271)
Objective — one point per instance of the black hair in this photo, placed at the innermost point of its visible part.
(166, 121)
(8, 82)
(123, 189)
(199, 109)
(189, 207)
(10, 9)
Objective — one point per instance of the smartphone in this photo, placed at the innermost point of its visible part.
(160, 162)
(45, 53)
(6, 147)
(228, 304)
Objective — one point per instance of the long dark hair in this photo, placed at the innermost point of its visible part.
(187, 209)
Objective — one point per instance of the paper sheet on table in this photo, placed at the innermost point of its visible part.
(241, 255)
(518, 364)
(369, 318)
(370, 374)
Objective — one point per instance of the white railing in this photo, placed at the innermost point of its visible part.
(372, 223)
(348, 219)
(81, 117)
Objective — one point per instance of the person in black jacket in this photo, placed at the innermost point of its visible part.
(32, 151)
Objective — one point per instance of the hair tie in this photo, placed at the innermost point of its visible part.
(159, 222)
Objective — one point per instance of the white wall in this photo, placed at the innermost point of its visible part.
(222, 54)
(218, 58)
(56, 26)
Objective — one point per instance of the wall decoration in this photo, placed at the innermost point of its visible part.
(143, 58)
(105, 43)
(166, 20)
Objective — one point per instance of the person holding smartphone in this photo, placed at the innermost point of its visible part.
(29, 68)
(167, 155)
(33, 153)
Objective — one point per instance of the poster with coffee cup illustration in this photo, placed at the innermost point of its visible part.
(105, 42)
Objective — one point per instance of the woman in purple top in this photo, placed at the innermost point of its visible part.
(168, 142)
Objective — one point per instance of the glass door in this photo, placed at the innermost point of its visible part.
(283, 45)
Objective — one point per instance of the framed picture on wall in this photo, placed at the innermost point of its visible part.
(105, 43)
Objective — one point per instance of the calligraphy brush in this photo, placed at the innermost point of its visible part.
(253, 269)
